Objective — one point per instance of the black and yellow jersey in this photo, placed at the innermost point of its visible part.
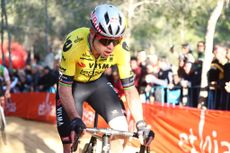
(78, 63)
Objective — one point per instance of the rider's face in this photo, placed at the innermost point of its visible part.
(105, 46)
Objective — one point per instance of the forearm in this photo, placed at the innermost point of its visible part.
(67, 101)
(134, 103)
(8, 86)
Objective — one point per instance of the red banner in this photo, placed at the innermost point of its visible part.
(178, 130)
(188, 130)
(39, 106)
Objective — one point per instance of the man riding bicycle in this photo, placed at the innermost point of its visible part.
(4, 81)
(87, 53)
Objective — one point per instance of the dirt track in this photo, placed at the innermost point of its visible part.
(26, 136)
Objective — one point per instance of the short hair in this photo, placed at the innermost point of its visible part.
(134, 58)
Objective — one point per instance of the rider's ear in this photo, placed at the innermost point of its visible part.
(92, 32)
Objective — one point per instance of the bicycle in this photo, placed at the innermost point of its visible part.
(105, 134)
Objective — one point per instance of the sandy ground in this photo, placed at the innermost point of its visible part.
(26, 136)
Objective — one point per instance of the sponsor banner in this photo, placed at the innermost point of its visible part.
(188, 130)
(178, 129)
(39, 106)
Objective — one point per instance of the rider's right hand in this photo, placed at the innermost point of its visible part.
(77, 125)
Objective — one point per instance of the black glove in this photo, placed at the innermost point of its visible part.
(145, 132)
(77, 125)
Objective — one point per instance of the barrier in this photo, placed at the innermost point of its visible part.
(39, 106)
(179, 130)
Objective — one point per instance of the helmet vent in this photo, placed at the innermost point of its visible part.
(118, 29)
(102, 29)
(123, 31)
(110, 30)
(106, 17)
(120, 20)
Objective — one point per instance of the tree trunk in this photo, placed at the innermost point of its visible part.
(5, 21)
(2, 32)
(208, 52)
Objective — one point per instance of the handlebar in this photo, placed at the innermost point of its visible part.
(109, 131)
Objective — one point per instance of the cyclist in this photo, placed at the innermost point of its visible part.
(87, 52)
(4, 81)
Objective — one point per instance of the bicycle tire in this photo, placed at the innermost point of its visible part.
(2, 120)
(88, 148)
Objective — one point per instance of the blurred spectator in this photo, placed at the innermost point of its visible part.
(174, 92)
(186, 49)
(181, 64)
(136, 70)
(165, 73)
(14, 81)
(49, 59)
(22, 85)
(200, 51)
(141, 59)
(187, 52)
(150, 79)
(215, 77)
(226, 83)
(193, 76)
(47, 81)
(36, 74)
(154, 61)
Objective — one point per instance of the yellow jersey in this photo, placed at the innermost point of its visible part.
(78, 63)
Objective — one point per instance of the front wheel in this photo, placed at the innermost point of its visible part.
(88, 148)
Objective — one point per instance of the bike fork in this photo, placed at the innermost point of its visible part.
(93, 142)
(144, 149)
(105, 143)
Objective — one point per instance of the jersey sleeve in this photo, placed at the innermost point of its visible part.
(67, 65)
(123, 64)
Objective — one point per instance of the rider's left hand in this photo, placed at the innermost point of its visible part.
(145, 134)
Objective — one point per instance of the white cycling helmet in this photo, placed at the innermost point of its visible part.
(108, 21)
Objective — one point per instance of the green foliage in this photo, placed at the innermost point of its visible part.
(154, 27)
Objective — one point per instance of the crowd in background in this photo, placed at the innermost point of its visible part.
(156, 78)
